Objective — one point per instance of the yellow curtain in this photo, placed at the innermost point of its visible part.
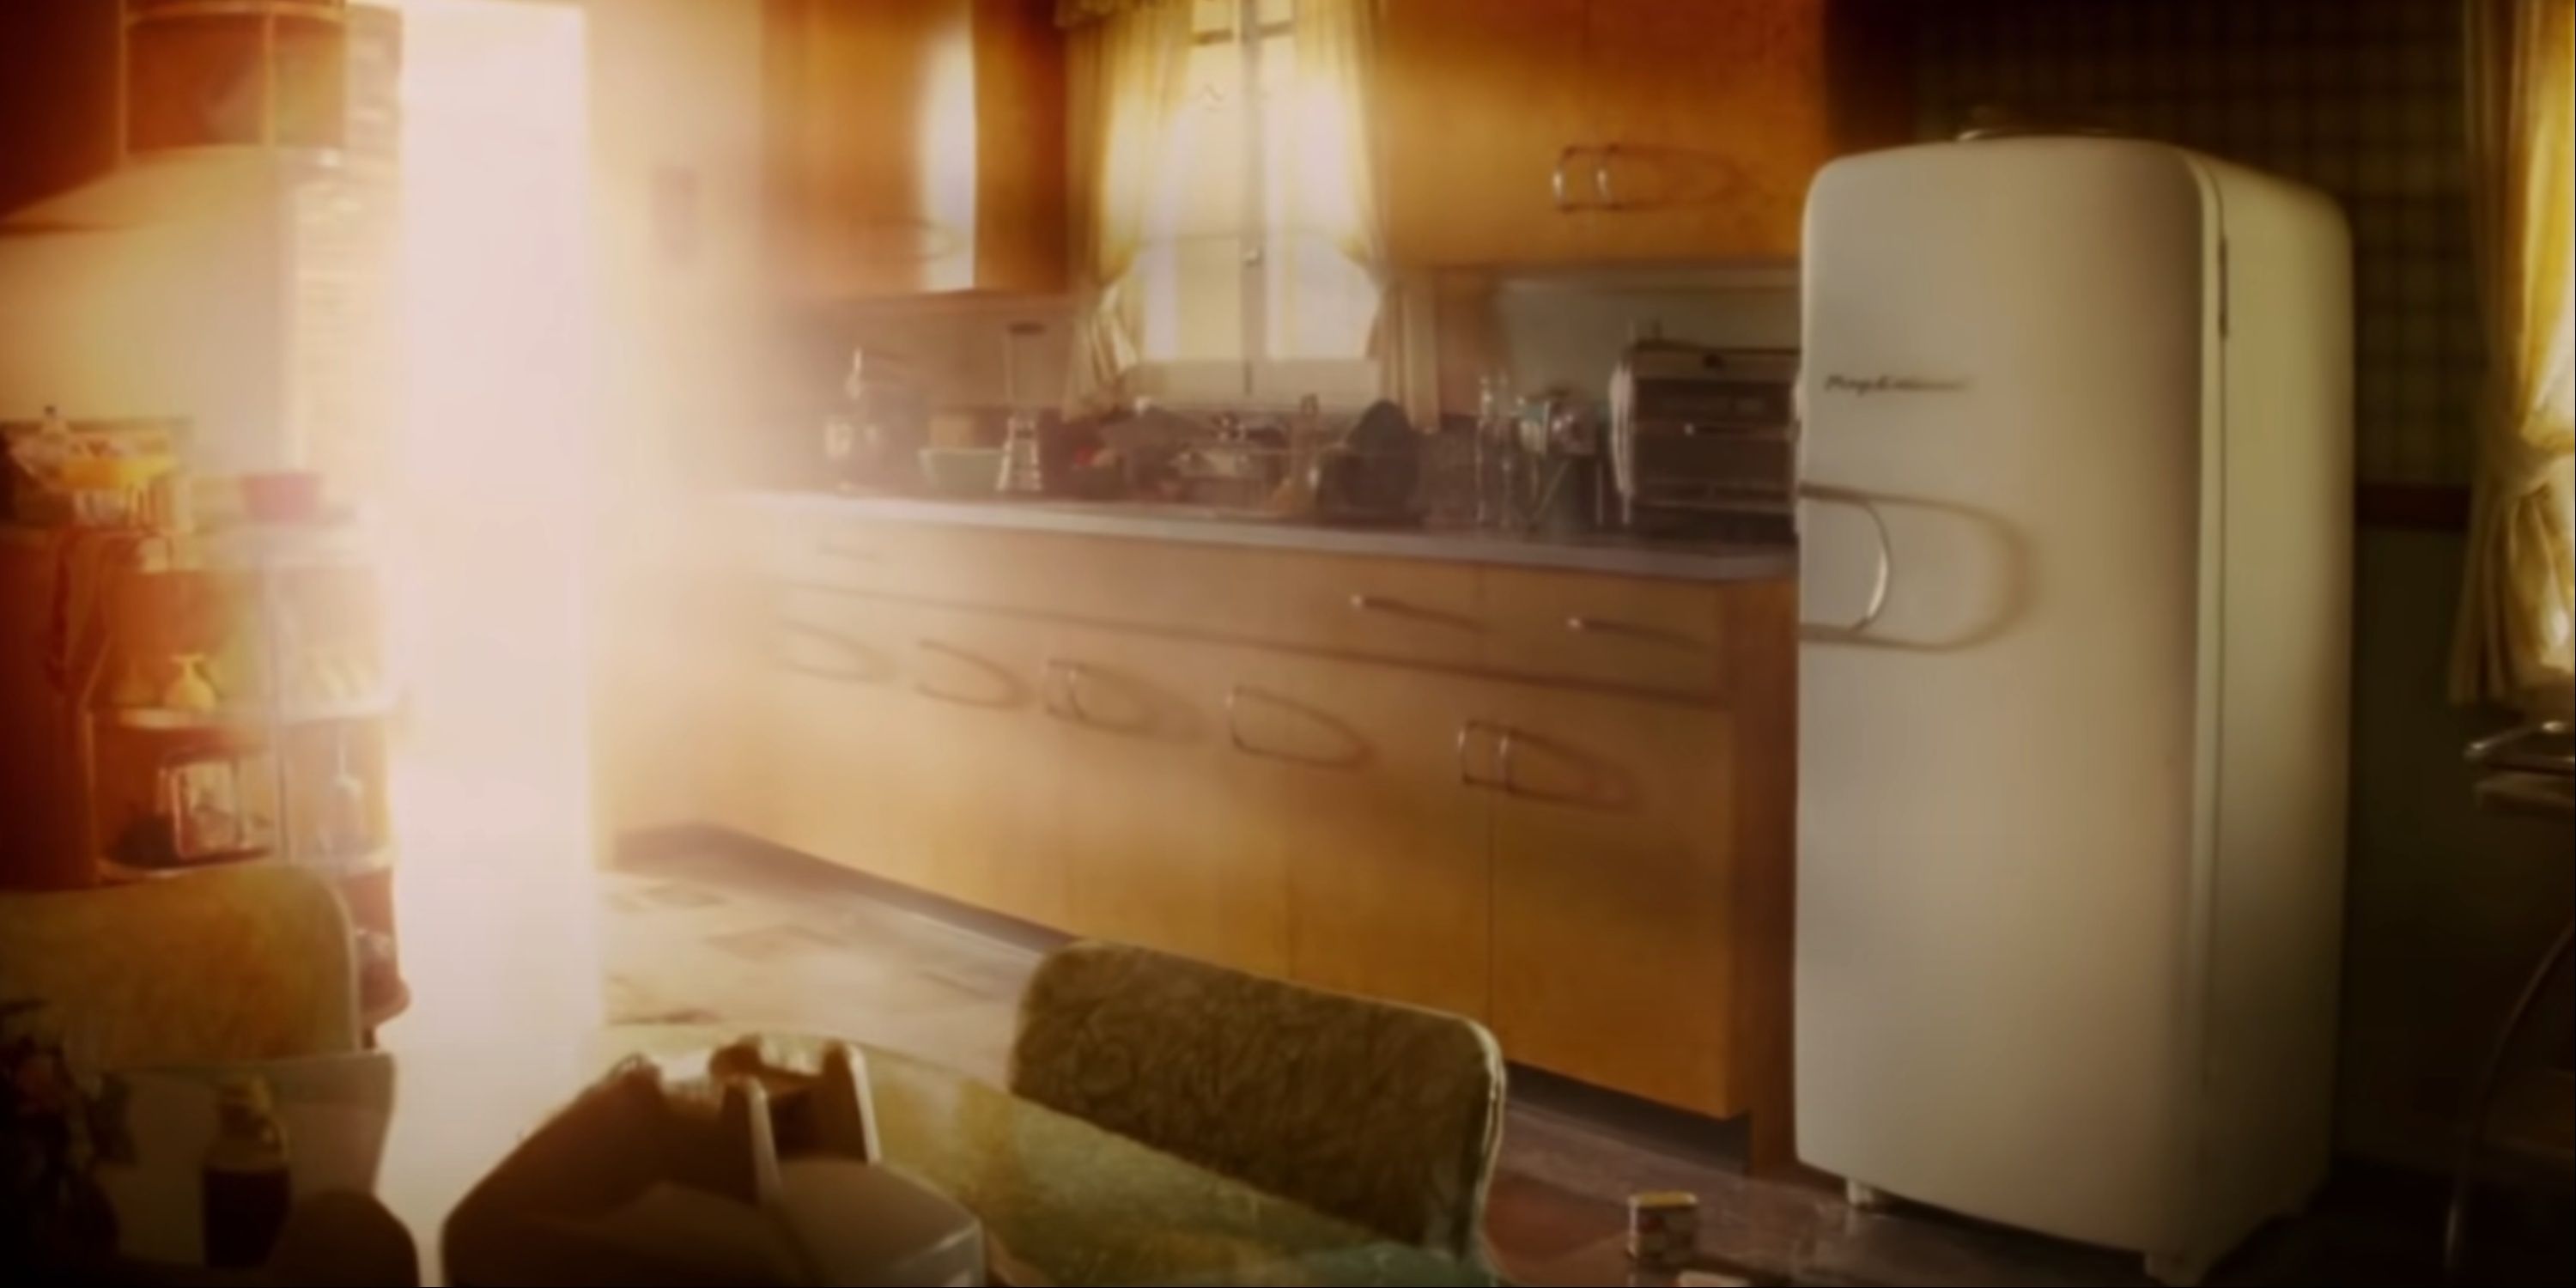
(1124, 80)
(1333, 187)
(1333, 162)
(2517, 608)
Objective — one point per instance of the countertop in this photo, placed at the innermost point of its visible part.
(1612, 553)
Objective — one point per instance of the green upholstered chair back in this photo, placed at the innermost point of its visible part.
(242, 963)
(1381, 1114)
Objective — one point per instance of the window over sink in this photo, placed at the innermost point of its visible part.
(1252, 276)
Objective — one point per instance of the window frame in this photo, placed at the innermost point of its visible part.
(1254, 380)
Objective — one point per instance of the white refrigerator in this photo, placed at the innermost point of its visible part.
(2075, 576)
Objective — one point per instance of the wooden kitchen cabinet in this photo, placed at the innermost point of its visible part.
(1559, 801)
(839, 776)
(1589, 130)
(984, 759)
(1713, 117)
(1614, 850)
(915, 146)
(1348, 781)
(87, 85)
(1154, 851)
(1474, 103)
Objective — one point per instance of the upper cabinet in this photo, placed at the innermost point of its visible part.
(1548, 131)
(915, 146)
(88, 85)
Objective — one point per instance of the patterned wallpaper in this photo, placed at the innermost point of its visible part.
(2360, 98)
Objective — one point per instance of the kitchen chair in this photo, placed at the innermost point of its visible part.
(1384, 1115)
(242, 963)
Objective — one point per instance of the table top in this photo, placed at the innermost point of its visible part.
(1067, 1202)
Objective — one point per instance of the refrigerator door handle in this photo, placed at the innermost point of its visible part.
(1886, 571)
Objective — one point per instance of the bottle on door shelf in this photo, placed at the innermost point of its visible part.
(247, 1185)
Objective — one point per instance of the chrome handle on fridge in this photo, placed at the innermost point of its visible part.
(1886, 571)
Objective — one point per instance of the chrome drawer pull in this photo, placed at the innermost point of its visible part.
(1234, 695)
(1003, 680)
(851, 661)
(1071, 673)
(1466, 732)
(1601, 161)
(1582, 625)
(1502, 758)
(1364, 602)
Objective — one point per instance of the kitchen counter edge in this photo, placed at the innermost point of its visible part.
(1608, 554)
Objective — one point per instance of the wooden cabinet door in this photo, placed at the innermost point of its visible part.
(1715, 115)
(914, 146)
(861, 199)
(1345, 778)
(1475, 102)
(1153, 849)
(1020, 105)
(1614, 839)
(985, 761)
(666, 708)
(837, 728)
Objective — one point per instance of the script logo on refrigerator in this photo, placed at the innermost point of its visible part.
(1864, 386)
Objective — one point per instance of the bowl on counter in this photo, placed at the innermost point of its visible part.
(962, 471)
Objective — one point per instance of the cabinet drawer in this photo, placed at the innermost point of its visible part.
(837, 728)
(1106, 580)
(1384, 608)
(981, 760)
(783, 543)
(1638, 632)
(829, 550)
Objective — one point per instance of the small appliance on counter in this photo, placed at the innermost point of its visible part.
(1537, 465)
(874, 443)
(1374, 474)
(1239, 468)
(1703, 440)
